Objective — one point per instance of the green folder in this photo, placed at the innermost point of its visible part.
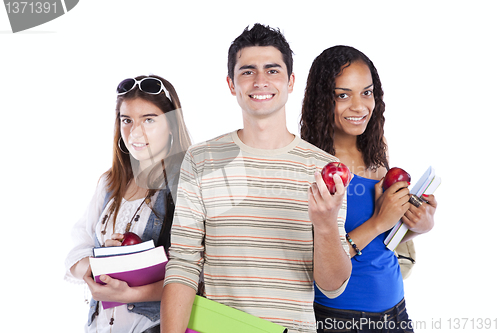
(212, 317)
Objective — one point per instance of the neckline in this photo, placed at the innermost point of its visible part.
(140, 199)
(264, 152)
(369, 179)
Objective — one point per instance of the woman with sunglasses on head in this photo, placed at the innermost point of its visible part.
(133, 195)
(342, 113)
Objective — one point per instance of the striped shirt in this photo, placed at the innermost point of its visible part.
(242, 216)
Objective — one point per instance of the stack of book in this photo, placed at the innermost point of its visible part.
(138, 265)
(427, 184)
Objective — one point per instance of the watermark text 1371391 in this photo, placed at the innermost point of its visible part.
(28, 14)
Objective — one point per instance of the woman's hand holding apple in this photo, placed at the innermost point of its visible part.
(390, 205)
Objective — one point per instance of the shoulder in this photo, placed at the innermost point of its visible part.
(103, 183)
(386, 149)
(310, 151)
(211, 153)
(219, 144)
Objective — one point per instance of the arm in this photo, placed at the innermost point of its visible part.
(185, 254)
(390, 206)
(79, 270)
(83, 234)
(332, 266)
(176, 303)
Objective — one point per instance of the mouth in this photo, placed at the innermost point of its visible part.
(139, 146)
(262, 97)
(356, 120)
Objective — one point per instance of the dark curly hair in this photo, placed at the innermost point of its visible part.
(259, 35)
(317, 120)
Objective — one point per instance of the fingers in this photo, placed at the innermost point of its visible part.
(410, 218)
(378, 189)
(419, 219)
(117, 236)
(88, 276)
(323, 189)
(111, 242)
(399, 186)
(107, 279)
(339, 185)
(320, 185)
(400, 191)
(115, 240)
(431, 200)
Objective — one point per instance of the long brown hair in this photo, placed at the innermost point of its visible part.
(317, 120)
(121, 172)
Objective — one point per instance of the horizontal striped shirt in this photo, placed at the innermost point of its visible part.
(242, 215)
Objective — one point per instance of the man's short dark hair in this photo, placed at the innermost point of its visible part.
(259, 35)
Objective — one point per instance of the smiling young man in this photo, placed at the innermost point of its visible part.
(252, 210)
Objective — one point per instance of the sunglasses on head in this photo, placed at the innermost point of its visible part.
(149, 85)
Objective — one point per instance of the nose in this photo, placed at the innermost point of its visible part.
(137, 131)
(357, 104)
(260, 81)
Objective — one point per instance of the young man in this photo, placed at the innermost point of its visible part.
(252, 209)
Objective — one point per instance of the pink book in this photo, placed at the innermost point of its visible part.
(137, 269)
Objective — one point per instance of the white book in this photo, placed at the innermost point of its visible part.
(427, 184)
(119, 250)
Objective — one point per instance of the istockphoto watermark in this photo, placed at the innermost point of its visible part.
(463, 324)
(364, 324)
(24, 15)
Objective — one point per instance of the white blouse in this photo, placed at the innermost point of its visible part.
(84, 231)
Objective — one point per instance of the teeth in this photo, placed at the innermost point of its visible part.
(138, 144)
(261, 96)
(354, 118)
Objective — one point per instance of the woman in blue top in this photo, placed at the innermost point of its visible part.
(342, 114)
(136, 194)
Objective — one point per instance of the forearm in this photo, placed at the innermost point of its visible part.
(79, 269)
(176, 303)
(332, 265)
(148, 293)
(364, 235)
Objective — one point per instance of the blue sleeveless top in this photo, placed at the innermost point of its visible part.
(376, 283)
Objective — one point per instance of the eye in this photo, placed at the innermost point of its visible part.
(273, 71)
(246, 73)
(341, 96)
(368, 93)
(149, 120)
(126, 121)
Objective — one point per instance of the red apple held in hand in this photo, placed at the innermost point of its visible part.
(395, 175)
(335, 168)
(129, 238)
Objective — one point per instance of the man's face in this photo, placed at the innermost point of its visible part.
(261, 84)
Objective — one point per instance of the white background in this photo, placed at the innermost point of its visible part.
(439, 66)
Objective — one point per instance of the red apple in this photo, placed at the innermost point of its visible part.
(335, 168)
(129, 238)
(395, 175)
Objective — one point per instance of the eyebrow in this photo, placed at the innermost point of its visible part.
(346, 89)
(267, 66)
(143, 116)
